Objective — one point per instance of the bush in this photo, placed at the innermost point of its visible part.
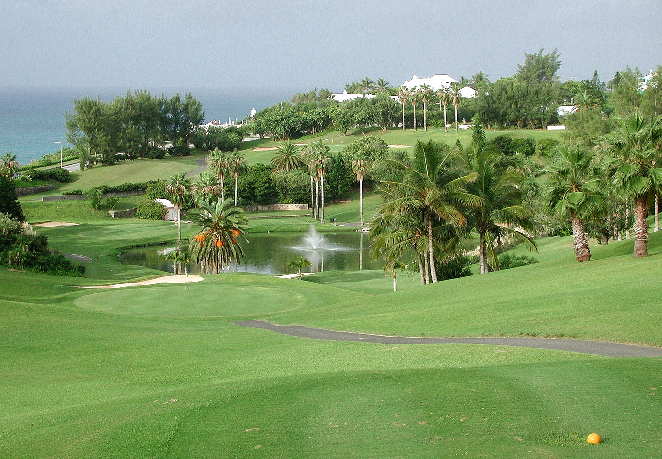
(54, 174)
(503, 144)
(100, 202)
(29, 251)
(9, 230)
(155, 153)
(150, 210)
(179, 150)
(156, 190)
(256, 185)
(339, 178)
(9, 204)
(546, 147)
(73, 193)
(292, 187)
(527, 146)
(452, 268)
(508, 261)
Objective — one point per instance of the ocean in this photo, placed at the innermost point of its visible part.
(31, 120)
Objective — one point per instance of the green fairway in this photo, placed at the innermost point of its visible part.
(163, 371)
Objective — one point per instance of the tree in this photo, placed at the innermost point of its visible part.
(9, 203)
(298, 264)
(454, 92)
(539, 67)
(206, 187)
(217, 244)
(636, 146)
(573, 193)
(381, 85)
(499, 211)
(287, 157)
(319, 157)
(424, 203)
(626, 95)
(237, 165)
(360, 166)
(8, 165)
(425, 94)
(220, 163)
(403, 97)
(178, 188)
(444, 99)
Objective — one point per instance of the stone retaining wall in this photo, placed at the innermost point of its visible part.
(24, 191)
(123, 213)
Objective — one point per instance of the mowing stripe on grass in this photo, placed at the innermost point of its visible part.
(584, 347)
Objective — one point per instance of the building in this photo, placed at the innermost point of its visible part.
(468, 92)
(344, 96)
(436, 82)
(170, 213)
(565, 110)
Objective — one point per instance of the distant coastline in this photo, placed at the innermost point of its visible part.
(32, 119)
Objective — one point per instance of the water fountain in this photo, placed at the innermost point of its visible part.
(315, 247)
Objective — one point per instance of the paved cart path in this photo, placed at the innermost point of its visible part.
(572, 345)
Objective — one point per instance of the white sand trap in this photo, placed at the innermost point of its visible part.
(293, 276)
(265, 149)
(399, 146)
(55, 224)
(177, 279)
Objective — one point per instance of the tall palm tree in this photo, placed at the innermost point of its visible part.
(366, 85)
(361, 165)
(220, 163)
(319, 153)
(403, 96)
(8, 165)
(287, 158)
(500, 212)
(217, 245)
(636, 146)
(444, 100)
(414, 98)
(381, 85)
(454, 92)
(206, 187)
(427, 196)
(425, 95)
(237, 165)
(573, 192)
(178, 188)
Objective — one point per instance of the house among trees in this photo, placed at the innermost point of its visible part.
(437, 82)
(344, 96)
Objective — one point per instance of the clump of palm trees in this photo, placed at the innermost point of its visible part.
(227, 165)
(424, 95)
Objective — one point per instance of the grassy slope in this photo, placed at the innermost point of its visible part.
(142, 170)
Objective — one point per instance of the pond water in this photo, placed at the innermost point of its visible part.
(271, 253)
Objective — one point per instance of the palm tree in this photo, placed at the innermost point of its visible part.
(414, 98)
(361, 165)
(499, 212)
(426, 196)
(217, 244)
(319, 153)
(403, 96)
(206, 187)
(298, 264)
(180, 257)
(454, 92)
(444, 100)
(237, 165)
(220, 163)
(177, 187)
(381, 85)
(425, 94)
(637, 148)
(287, 158)
(8, 165)
(573, 193)
(391, 244)
(366, 85)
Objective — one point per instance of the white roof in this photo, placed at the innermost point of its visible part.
(344, 96)
(468, 92)
(436, 82)
(564, 110)
(164, 202)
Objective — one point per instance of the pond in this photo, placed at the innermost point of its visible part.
(271, 253)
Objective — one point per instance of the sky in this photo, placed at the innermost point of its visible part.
(297, 45)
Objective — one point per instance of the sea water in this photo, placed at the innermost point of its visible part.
(31, 120)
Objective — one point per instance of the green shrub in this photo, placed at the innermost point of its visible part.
(179, 150)
(100, 202)
(30, 251)
(150, 210)
(55, 174)
(156, 190)
(292, 187)
(73, 193)
(546, 147)
(155, 153)
(256, 185)
(508, 261)
(527, 146)
(9, 230)
(9, 204)
(452, 268)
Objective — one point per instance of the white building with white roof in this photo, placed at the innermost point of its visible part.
(344, 96)
(436, 82)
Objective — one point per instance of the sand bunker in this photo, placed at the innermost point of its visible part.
(54, 224)
(265, 148)
(293, 276)
(177, 279)
(399, 146)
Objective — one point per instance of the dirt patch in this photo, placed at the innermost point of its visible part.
(54, 224)
(265, 149)
(399, 146)
(177, 279)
